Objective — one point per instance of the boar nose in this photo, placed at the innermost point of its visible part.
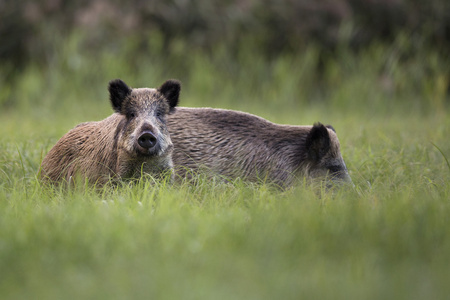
(147, 140)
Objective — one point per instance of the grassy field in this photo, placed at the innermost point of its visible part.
(388, 238)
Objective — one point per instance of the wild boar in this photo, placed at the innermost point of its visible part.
(235, 144)
(134, 140)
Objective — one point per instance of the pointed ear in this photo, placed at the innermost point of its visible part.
(118, 91)
(317, 142)
(171, 91)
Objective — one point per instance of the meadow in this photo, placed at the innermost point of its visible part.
(386, 238)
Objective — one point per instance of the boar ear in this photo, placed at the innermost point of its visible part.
(317, 142)
(118, 91)
(171, 91)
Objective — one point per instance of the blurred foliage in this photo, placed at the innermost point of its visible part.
(28, 27)
(310, 49)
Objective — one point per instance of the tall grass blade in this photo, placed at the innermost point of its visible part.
(443, 155)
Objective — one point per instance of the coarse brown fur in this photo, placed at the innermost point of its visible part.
(235, 144)
(132, 141)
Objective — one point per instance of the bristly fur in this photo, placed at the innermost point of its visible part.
(330, 127)
(235, 144)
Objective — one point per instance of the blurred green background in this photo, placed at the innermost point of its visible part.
(305, 52)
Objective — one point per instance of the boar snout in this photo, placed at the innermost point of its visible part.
(147, 140)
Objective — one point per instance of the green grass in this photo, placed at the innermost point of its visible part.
(388, 238)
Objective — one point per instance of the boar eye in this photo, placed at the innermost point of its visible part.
(334, 169)
(132, 115)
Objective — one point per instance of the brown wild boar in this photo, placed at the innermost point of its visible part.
(132, 141)
(235, 144)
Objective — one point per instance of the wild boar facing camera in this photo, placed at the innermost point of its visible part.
(134, 140)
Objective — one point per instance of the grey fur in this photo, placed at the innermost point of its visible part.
(235, 144)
